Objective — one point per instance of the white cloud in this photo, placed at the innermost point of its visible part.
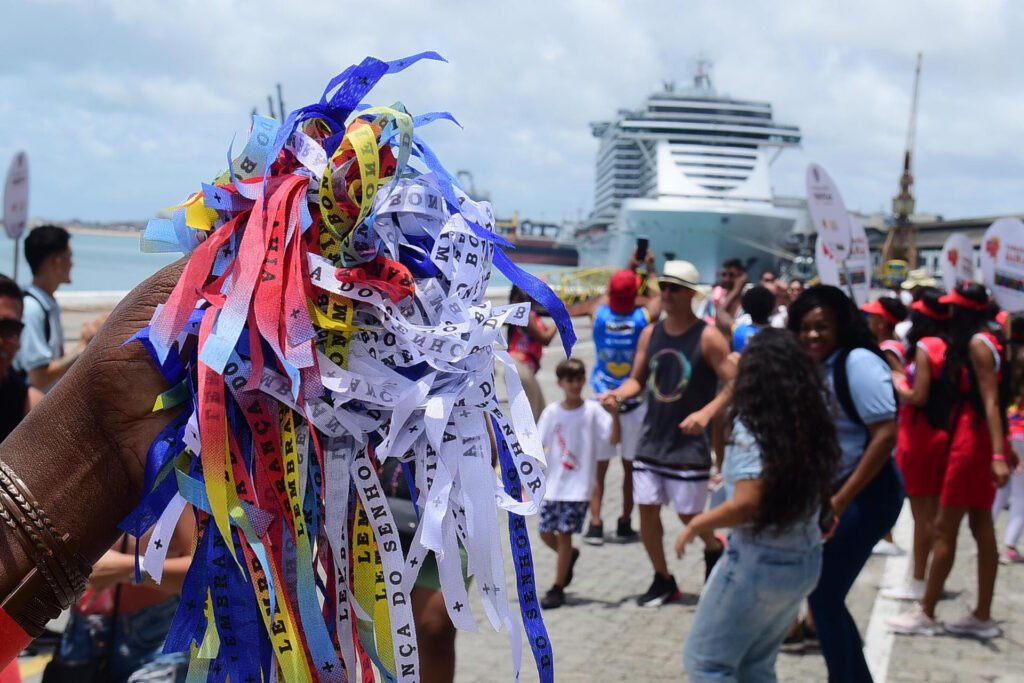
(141, 97)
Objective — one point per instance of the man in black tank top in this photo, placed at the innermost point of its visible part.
(679, 363)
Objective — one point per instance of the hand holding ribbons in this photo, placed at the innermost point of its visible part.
(332, 315)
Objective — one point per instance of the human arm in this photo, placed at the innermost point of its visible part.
(717, 354)
(615, 437)
(881, 440)
(740, 509)
(116, 567)
(538, 332)
(87, 440)
(634, 384)
(871, 391)
(32, 398)
(43, 376)
(725, 313)
(918, 394)
(983, 362)
(588, 307)
(893, 360)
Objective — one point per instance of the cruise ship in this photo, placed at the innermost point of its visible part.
(690, 171)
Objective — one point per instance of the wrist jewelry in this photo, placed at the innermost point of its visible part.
(60, 574)
(999, 457)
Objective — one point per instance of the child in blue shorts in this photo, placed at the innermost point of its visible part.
(571, 431)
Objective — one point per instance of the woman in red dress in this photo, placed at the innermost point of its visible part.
(978, 463)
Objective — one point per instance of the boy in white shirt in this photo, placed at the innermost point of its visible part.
(572, 432)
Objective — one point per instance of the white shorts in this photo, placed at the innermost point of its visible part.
(631, 426)
(686, 490)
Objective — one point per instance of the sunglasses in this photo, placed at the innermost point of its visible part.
(671, 287)
(11, 328)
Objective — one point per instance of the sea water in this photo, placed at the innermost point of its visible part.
(113, 262)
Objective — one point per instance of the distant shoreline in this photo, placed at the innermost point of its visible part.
(102, 232)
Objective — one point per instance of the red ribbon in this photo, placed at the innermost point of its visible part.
(12, 639)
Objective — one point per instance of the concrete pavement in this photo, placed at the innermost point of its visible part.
(602, 635)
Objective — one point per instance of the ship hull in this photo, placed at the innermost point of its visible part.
(545, 255)
(704, 235)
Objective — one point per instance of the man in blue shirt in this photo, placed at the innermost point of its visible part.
(42, 355)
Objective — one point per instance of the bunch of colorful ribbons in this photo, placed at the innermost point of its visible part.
(332, 316)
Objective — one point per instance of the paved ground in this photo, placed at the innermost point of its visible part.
(602, 635)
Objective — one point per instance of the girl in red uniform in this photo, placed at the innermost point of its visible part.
(923, 437)
(977, 465)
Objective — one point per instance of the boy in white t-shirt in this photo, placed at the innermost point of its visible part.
(571, 432)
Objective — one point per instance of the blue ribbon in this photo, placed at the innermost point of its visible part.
(522, 561)
(542, 294)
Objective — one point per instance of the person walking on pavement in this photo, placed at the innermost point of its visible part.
(923, 440)
(679, 362)
(779, 466)
(867, 492)
(978, 464)
(618, 321)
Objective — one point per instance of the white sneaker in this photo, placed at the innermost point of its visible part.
(971, 626)
(887, 549)
(914, 622)
(911, 591)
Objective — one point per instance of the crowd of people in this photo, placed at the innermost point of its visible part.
(914, 395)
(116, 630)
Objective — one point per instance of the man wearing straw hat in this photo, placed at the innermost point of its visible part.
(679, 363)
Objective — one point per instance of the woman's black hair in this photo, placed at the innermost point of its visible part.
(922, 325)
(963, 325)
(1015, 357)
(894, 307)
(852, 332)
(797, 438)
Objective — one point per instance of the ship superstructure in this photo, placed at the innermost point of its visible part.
(690, 170)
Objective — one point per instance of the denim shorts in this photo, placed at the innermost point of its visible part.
(563, 516)
(749, 602)
(138, 647)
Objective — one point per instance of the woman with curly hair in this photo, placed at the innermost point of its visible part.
(978, 463)
(867, 494)
(779, 467)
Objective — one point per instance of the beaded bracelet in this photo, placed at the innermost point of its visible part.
(60, 574)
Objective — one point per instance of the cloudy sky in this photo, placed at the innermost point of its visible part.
(125, 106)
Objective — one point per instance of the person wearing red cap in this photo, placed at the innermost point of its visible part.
(978, 463)
(618, 322)
(923, 436)
(883, 316)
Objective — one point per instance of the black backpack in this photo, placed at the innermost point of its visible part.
(841, 384)
(46, 315)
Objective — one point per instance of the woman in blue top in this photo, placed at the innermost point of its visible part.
(779, 467)
(867, 492)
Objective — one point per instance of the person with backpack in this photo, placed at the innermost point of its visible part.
(978, 464)
(923, 440)
(883, 315)
(42, 356)
(867, 494)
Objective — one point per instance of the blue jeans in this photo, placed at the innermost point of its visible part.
(867, 519)
(138, 647)
(748, 604)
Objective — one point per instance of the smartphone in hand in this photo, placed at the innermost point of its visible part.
(641, 248)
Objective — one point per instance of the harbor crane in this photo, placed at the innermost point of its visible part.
(901, 242)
